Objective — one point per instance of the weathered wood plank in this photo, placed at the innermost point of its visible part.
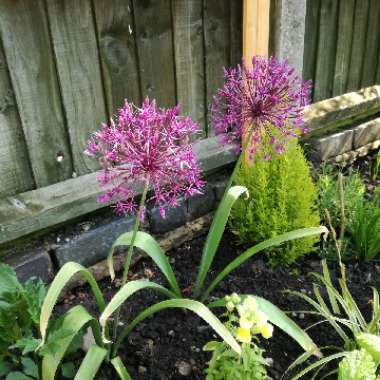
(117, 45)
(311, 39)
(236, 31)
(154, 38)
(189, 57)
(15, 171)
(217, 46)
(42, 208)
(25, 35)
(358, 45)
(324, 72)
(343, 49)
(76, 52)
(372, 46)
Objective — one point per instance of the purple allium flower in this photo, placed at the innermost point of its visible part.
(264, 102)
(146, 145)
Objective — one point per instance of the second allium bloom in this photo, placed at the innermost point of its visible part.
(147, 145)
(263, 104)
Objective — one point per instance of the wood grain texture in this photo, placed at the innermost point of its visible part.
(217, 46)
(358, 45)
(236, 32)
(15, 171)
(189, 58)
(311, 40)
(42, 208)
(116, 33)
(76, 52)
(324, 71)
(25, 36)
(153, 22)
(372, 45)
(343, 49)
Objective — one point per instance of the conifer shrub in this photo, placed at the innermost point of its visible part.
(282, 197)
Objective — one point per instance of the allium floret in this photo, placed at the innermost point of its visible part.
(147, 145)
(263, 103)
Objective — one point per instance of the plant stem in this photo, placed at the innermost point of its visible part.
(130, 250)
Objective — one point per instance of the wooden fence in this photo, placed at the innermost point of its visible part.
(66, 65)
(342, 45)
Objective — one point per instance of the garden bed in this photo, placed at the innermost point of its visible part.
(169, 345)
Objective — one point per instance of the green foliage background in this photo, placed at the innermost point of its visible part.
(282, 197)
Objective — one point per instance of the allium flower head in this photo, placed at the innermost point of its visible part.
(146, 145)
(264, 103)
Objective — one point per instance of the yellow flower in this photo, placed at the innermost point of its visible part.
(244, 335)
(261, 319)
(235, 298)
(230, 306)
(245, 323)
(266, 330)
(250, 305)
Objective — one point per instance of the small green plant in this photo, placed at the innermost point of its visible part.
(245, 320)
(375, 167)
(357, 365)
(282, 198)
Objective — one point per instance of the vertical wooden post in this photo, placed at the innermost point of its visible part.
(255, 35)
(255, 28)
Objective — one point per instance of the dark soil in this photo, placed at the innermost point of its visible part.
(171, 341)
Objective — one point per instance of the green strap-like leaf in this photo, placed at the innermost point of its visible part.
(125, 292)
(216, 232)
(282, 321)
(74, 320)
(91, 363)
(60, 281)
(195, 306)
(150, 246)
(120, 368)
(297, 234)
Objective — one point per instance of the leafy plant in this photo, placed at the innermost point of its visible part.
(282, 198)
(244, 320)
(357, 365)
(19, 317)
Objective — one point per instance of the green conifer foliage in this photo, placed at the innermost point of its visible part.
(282, 198)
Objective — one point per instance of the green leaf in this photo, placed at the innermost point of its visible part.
(215, 233)
(195, 306)
(297, 234)
(27, 344)
(8, 280)
(371, 343)
(5, 368)
(150, 246)
(18, 376)
(73, 321)
(68, 370)
(332, 298)
(91, 363)
(60, 281)
(120, 368)
(282, 321)
(125, 292)
(30, 367)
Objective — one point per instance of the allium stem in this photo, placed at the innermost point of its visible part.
(136, 226)
(128, 261)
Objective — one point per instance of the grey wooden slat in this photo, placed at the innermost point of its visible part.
(189, 57)
(325, 64)
(27, 47)
(372, 45)
(76, 52)
(153, 22)
(236, 31)
(217, 46)
(115, 26)
(311, 39)
(343, 50)
(358, 45)
(15, 171)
